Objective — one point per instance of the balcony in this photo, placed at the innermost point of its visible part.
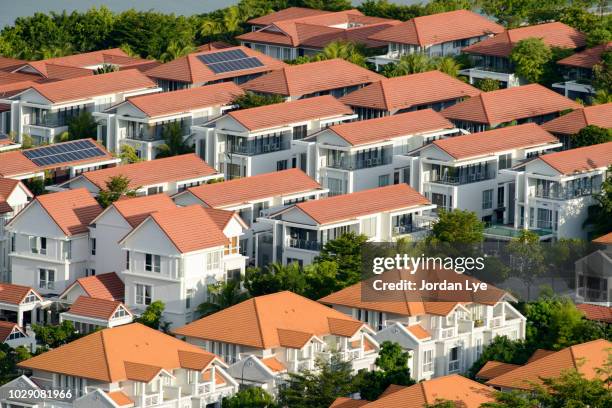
(464, 178)
(506, 232)
(407, 229)
(446, 333)
(562, 193)
(304, 244)
(357, 162)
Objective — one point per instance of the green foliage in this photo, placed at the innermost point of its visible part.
(174, 141)
(510, 13)
(529, 57)
(116, 187)
(222, 295)
(35, 185)
(26, 141)
(419, 62)
(82, 126)
(128, 154)
(253, 397)
(346, 50)
(502, 349)
(441, 403)
(176, 50)
(105, 69)
(602, 76)
(457, 226)
(252, 100)
(600, 215)
(487, 84)
(527, 260)
(9, 357)
(386, 9)
(346, 253)
(55, 336)
(152, 316)
(591, 135)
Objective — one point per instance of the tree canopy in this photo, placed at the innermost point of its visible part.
(591, 135)
(457, 226)
(82, 126)
(529, 57)
(116, 187)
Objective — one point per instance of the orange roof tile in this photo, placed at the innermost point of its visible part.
(409, 91)
(116, 354)
(497, 140)
(286, 113)
(273, 364)
(539, 353)
(71, 210)
(270, 321)
(419, 332)
(191, 70)
(586, 358)
(248, 189)
(186, 100)
(214, 45)
(94, 307)
(289, 13)
(136, 209)
(312, 77)
(348, 206)
(388, 127)
(120, 398)
(107, 286)
(7, 186)
(218, 378)
(146, 173)
(571, 123)
(439, 28)
(596, 312)
(14, 294)
(506, 105)
(579, 160)
(587, 58)
(6, 328)
(604, 239)
(493, 369)
(8, 64)
(553, 34)
(88, 87)
(345, 402)
(141, 372)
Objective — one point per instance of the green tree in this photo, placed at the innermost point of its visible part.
(529, 57)
(345, 251)
(457, 226)
(346, 50)
(26, 141)
(441, 403)
(174, 141)
(153, 316)
(221, 296)
(447, 65)
(599, 35)
(9, 357)
(105, 69)
(35, 185)
(386, 9)
(527, 260)
(82, 126)
(409, 64)
(599, 218)
(275, 277)
(602, 77)
(510, 13)
(487, 84)
(591, 135)
(252, 100)
(175, 50)
(116, 187)
(128, 154)
(55, 336)
(252, 397)
(504, 350)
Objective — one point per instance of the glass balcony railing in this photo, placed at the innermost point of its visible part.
(354, 162)
(464, 178)
(562, 194)
(253, 149)
(304, 244)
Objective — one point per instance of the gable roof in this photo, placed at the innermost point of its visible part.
(186, 100)
(604, 239)
(506, 105)
(553, 34)
(270, 321)
(579, 160)
(107, 286)
(6, 328)
(497, 140)
(71, 210)
(146, 173)
(493, 369)
(94, 307)
(571, 123)
(312, 77)
(408, 91)
(112, 353)
(585, 358)
(8, 64)
(7, 186)
(213, 45)
(440, 28)
(243, 190)
(15, 294)
(598, 313)
(136, 209)
(349, 206)
(191, 70)
(286, 113)
(587, 58)
(388, 127)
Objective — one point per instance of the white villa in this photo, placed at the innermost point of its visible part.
(14, 196)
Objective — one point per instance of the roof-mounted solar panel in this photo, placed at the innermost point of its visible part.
(229, 61)
(63, 153)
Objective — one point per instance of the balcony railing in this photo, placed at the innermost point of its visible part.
(407, 229)
(252, 149)
(355, 163)
(151, 400)
(447, 333)
(304, 244)
(562, 194)
(496, 322)
(463, 178)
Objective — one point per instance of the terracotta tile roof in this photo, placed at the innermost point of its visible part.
(286, 113)
(266, 322)
(587, 58)
(604, 239)
(7, 186)
(14, 294)
(107, 286)
(289, 13)
(293, 338)
(120, 398)
(506, 105)
(388, 127)
(136, 209)
(107, 352)
(273, 364)
(7, 78)
(97, 85)
(94, 307)
(439, 28)
(345, 402)
(141, 372)
(462, 391)
(146, 173)
(408, 91)
(312, 77)
(586, 358)
(190, 69)
(579, 160)
(214, 45)
(494, 369)
(186, 100)
(539, 353)
(191, 228)
(494, 141)
(9, 64)
(218, 378)
(571, 123)
(248, 189)
(419, 331)
(553, 34)
(9, 89)
(349, 206)
(6, 328)
(71, 210)
(596, 312)
(60, 72)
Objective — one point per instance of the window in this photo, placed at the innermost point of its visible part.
(90, 272)
(500, 196)
(92, 244)
(383, 180)
(30, 298)
(505, 161)
(281, 165)
(427, 361)
(336, 186)
(15, 335)
(188, 296)
(152, 263)
(369, 227)
(213, 260)
(232, 247)
(487, 199)
(478, 348)
(13, 241)
(120, 313)
(155, 190)
(67, 249)
(127, 260)
(453, 360)
(46, 278)
(299, 132)
(143, 294)
(38, 245)
(233, 275)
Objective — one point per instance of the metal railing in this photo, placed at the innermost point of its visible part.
(304, 244)
(463, 178)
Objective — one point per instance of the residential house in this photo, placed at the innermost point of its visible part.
(578, 72)
(566, 127)
(14, 336)
(14, 196)
(21, 305)
(528, 103)
(88, 314)
(260, 140)
(126, 366)
(554, 191)
(281, 333)
(596, 313)
(141, 121)
(491, 57)
(254, 197)
(435, 35)
(237, 64)
(382, 214)
(443, 335)
(168, 175)
(6, 143)
(173, 255)
(389, 96)
(586, 358)
(296, 32)
(108, 286)
(594, 276)
(335, 77)
(373, 153)
(50, 240)
(44, 111)
(459, 390)
(467, 172)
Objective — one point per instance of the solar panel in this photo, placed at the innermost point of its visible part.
(64, 152)
(228, 61)
(222, 56)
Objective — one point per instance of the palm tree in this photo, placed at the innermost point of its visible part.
(175, 50)
(448, 65)
(411, 64)
(602, 96)
(174, 141)
(345, 50)
(210, 27)
(47, 52)
(221, 296)
(105, 69)
(232, 19)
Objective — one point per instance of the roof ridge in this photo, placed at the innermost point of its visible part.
(189, 68)
(258, 319)
(284, 74)
(105, 351)
(416, 32)
(384, 94)
(484, 107)
(424, 392)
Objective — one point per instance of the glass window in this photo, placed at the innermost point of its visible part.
(505, 161)
(92, 243)
(281, 165)
(299, 132)
(38, 245)
(428, 361)
(213, 260)
(487, 199)
(127, 260)
(453, 359)
(46, 278)
(143, 294)
(383, 180)
(153, 263)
